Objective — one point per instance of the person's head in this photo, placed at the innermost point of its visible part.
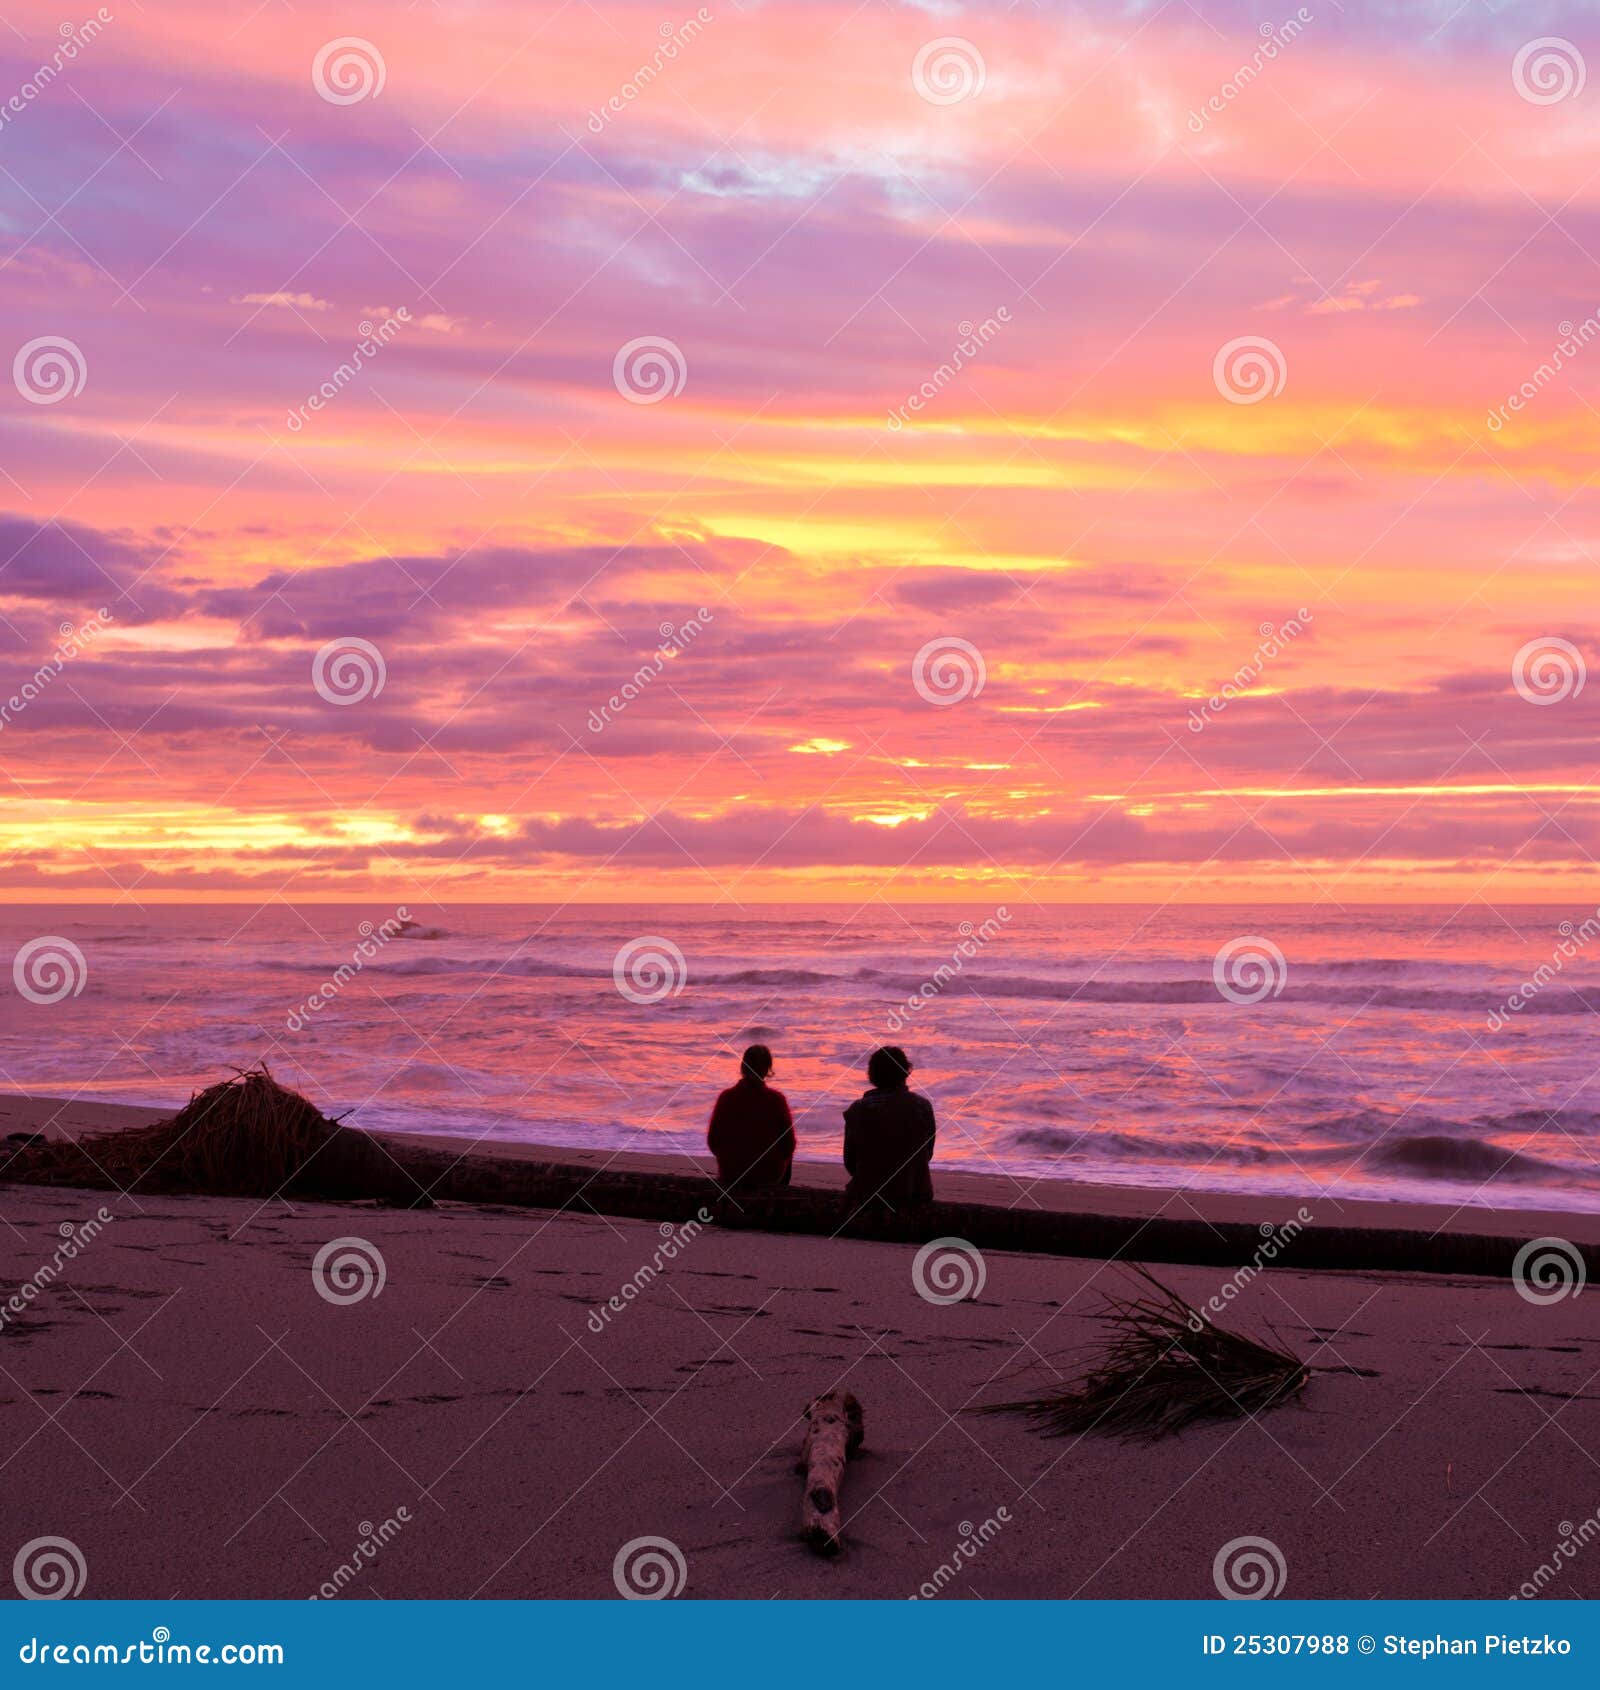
(888, 1066)
(756, 1063)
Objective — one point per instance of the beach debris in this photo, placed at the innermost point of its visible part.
(833, 1434)
(244, 1136)
(1166, 1367)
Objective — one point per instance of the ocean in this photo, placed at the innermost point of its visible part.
(1378, 1052)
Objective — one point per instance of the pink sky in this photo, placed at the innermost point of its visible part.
(1403, 212)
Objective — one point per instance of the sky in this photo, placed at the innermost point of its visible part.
(799, 451)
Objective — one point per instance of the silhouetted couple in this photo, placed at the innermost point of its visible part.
(888, 1133)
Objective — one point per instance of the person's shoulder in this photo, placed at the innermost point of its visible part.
(777, 1096)
(922, 1101)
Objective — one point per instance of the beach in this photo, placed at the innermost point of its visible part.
(987, 608)
(183, 1404)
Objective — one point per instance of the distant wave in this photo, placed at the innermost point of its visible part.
(1365, 1141)
(1083, 1143)
(517, 967)
(1334, 985)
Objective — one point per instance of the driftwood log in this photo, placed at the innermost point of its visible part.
(409, 1172)
(833, 1435)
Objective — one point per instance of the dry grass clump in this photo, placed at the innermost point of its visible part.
(245, 1136)
(1165, 1367)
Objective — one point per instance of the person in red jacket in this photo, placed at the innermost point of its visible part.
(752, 1131)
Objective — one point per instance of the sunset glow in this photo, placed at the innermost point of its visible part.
(929, 536)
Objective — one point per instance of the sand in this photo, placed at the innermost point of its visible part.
(184, 1406)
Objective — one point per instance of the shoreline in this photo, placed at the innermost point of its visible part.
(1050, 1216)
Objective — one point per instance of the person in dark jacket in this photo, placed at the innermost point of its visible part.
(752, 1131)
(888, 1138)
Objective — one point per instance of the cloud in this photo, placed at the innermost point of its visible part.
(1079, 502)
(289, 301)
(71, 565)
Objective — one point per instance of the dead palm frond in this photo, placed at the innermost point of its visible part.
(1166, 1367)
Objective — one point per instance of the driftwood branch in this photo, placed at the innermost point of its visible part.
(833, 1435)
